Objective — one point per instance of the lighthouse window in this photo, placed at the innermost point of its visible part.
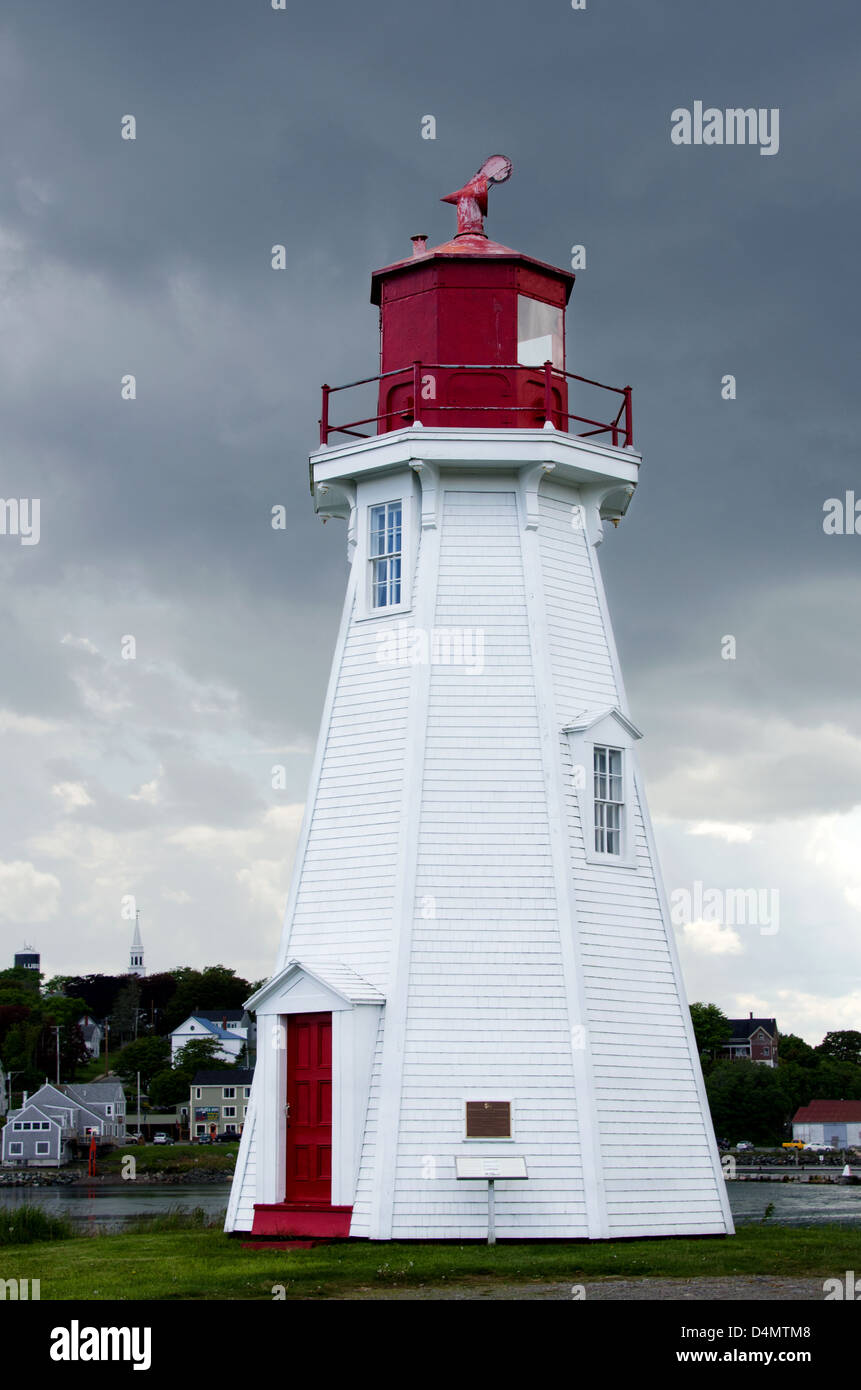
(608, 800)
(385, 554)
(539, 333)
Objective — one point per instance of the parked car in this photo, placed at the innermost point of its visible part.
(820, 1148)
(794, 1144)
(203, 1139)
(227, 1138)
(744, 1144)
(161, 1138)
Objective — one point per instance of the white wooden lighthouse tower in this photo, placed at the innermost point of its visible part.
(477, 960)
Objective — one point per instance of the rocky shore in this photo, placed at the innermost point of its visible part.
(53, 1177)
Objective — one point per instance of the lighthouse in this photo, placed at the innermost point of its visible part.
(478, 998)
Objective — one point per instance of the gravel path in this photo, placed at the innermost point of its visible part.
(757, 1287)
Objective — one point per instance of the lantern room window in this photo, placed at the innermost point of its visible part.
(386, 554)
(539, 333)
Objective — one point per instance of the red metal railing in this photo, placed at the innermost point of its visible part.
(621, 425)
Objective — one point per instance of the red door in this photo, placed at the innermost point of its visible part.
(309, 1108)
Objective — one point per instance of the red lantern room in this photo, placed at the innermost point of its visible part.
(472, 335)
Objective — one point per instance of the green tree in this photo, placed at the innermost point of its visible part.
(147, 1056)
(124, 1019)
(167, 1088)
(216, 987)
(748, 1101)
(19, 986)
(795, 1049)
(842, 1046)
(170, 1086)
(712, 1028)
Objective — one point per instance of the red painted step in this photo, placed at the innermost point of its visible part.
(301, 1219)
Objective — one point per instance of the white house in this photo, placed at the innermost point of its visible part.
(93, 1034)
(834, 1122)
(224, 1026)
(477, 960)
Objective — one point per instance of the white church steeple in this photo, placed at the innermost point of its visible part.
(136, 955)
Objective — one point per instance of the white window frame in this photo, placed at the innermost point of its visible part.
(197, 1093)
(609, 730)
(608, 778)
(228, 1093)
(228, 1112)
(376, 493)
(386, 556)
(16, 1148)
(43, 1148)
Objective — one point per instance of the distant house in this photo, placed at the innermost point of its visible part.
(107, 1099)
(219, 1102)
(93, 1034)
(227, 1027)
(752, 1040)
(44, 1130)
(834, 1122)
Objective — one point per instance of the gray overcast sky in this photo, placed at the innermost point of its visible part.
(254, 127)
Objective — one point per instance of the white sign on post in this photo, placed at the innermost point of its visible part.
(479, 1167)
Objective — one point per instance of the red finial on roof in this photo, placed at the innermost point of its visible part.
(471, 200)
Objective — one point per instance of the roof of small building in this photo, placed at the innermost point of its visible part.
(828, 1111)
(28, 1105)
(214, 1030)
(96, 1092)
(216, 1015)
(745, 1027)
(240, 1076)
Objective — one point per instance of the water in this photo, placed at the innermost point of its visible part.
(110, 1208)
(795, 1203)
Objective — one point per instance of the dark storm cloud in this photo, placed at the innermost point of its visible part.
(257, 127)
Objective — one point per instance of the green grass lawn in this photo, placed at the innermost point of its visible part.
(206, 1264)
(173, 1158)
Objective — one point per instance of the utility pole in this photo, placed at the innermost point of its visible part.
(56, 1028)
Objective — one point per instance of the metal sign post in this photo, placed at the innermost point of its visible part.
(471, 1169)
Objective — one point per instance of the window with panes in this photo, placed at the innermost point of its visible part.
(609, 803)
(386, 554)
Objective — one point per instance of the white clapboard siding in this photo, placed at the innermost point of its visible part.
(634, 997)
(348, 874)
(361, 1218)
(487, 1009)
(243, 1190)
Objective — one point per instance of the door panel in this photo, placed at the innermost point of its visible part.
(309, 1118)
